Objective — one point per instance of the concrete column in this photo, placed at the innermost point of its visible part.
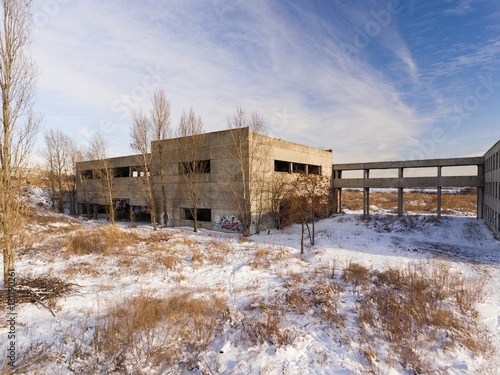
(480, 193)
(337, 193)
(439, 193)
(400, 192)
(366, 193)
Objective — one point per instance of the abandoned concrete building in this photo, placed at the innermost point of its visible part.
(224, 168)
(225, 164)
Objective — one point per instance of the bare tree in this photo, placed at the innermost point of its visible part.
(104, 174)
(87, 191)
(304, 201)
(280, 188)
(19, 124)
(142, 135)
(160, 120)
(191, 138)
(57, 154)
(75, 155)
(249, 149)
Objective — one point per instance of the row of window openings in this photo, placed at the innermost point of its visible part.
(289, 167)
(201, 166)
(493, 162)
(493, 217)
(493, 189)
(117, 172)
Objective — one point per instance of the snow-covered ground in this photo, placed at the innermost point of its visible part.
(246, 273)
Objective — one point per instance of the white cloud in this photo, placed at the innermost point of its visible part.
(284, 62)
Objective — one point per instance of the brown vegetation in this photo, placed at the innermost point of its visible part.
(105, 240)
(414, 201)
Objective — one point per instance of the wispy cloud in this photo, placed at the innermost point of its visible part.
(458, 7)
(291, 62)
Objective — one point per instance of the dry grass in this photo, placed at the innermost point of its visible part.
(327, 298)
(85, 268)
(221, 246)
(169, 261)
(106, 240)
(423, 306)
(262, 259)
(267, 324)
(197, 256)
(356, 273)
(28, 361)
(158, 237)
(160, 333)
(413, 201)
(187, 241)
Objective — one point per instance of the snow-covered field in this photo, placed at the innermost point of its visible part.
(268, 287)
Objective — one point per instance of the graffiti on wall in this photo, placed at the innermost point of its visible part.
(228, 222)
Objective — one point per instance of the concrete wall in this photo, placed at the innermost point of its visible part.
(220, 190)
(215, 190)
(491, 205)
(131, 188)
(264, 151)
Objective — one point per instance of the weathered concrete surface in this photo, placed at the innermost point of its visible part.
(221, 190)
(491, 203)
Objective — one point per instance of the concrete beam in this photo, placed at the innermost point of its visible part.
(424, 163)
(409, 182)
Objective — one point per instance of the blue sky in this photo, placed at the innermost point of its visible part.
(372, 80)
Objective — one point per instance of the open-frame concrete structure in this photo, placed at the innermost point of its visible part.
(486, 181)
(221, 183)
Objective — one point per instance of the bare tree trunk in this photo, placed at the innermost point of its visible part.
(192, 166)
(104, 174)
(160, 119)
(313, 230)
(18, 124)
(302, 239)
(249, 151)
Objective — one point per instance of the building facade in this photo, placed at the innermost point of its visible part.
(491, 204)
(216, 173)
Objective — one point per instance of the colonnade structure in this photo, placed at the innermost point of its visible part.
(402, 182)
(486, 180)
